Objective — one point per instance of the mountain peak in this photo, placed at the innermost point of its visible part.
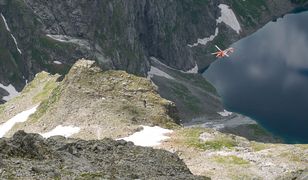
(96, 102)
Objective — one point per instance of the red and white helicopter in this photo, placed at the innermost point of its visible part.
(222, 53)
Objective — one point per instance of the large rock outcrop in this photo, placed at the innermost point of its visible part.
(29, 156)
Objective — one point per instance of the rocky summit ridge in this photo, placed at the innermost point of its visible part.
(101, 103)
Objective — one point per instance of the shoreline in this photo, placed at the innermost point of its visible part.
(239, 125)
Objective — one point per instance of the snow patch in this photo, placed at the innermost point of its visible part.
(26, 80)
(158, 61)
(57, 62)
(194, 70)
(4, 20)
(213, 125)
(204, 41)
(20, 117)
(15, 41)
(11, 90)
(225, 113)
(8, 29)
(68, 39)
(229, 18)
(149, 136)
(65, 131)
(155, 71)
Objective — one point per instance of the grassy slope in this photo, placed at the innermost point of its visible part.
(35, 92)
(225, 156)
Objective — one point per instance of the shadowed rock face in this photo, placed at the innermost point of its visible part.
(30, 156)
(118, 34)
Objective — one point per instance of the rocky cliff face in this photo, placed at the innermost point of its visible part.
(51, 35)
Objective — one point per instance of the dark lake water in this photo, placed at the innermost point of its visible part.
(266, 77)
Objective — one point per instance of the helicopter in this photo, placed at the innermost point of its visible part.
(222, 53)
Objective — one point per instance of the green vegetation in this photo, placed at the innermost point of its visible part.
(132, 109)
(183, 93)
(91, 175)
(165, 122)
(2, 107)
(219, 144)
(39, 56)
(220, 40)
(292, 156)
(131, 90)
(302, 146)
(249, 11)
(258, 130)
(243, 176)
(230, 160)
(46, 84)
(256, 146)
(191, 138)
(39, 78)
(196, 80)
(48, 88)
(48, 103)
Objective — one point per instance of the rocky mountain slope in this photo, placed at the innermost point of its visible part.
(225, 156)
(110, 100)
(100, 103)
(29, 156)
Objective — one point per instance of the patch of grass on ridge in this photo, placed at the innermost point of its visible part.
(191, 138)
(230, 160)
(42, 109)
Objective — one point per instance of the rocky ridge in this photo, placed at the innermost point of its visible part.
(29, 156)
(226, 156)
(101, 103)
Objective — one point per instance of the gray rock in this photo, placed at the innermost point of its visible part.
(73, 158)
